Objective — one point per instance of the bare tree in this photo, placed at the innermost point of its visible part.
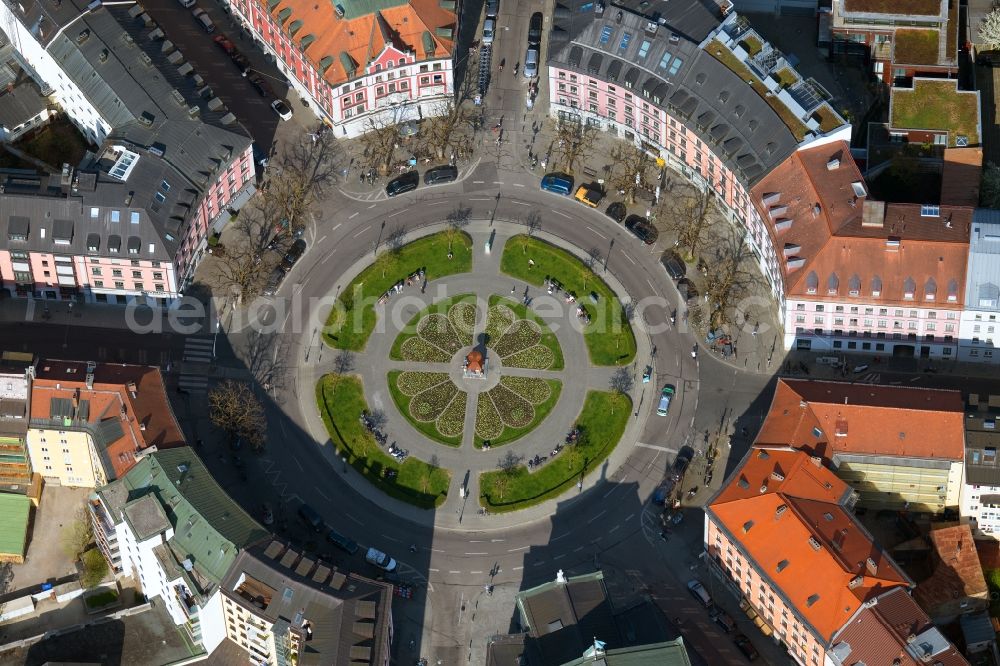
(343, 363)
(239, 269)
(457, 220)
(594, 257)
(574, 142)
(234, 408)
(731, 278)
(381, 139)
(688, 217)
(630, 165)
(77, 533)
(532, 224)
(509, 462)
(308, 170)
(395, 239)
(620, 383)
(989, 29)
(453, 122)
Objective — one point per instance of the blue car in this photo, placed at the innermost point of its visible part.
(557, 184)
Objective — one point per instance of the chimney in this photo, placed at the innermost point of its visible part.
(871, 566)
(780, 510)
(833, 164)
(856, 582)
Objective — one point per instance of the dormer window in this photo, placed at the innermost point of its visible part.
(909, 286)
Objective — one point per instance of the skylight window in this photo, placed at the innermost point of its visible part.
(626, 38)
(665, 60)
(675, 66)
(930, 211)
(606, 35)
(643, 48)
(133, 217)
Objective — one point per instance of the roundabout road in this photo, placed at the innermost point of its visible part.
(456, 547)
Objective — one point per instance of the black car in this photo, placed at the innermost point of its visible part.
(673, 265)
(687, 289)
(405, 183)
(680, 464)
(616, 211)
(441, 174)
(746, 647)
(294, 253)
(274, 281)
(344, 543)
(535, 30)
(642, 229)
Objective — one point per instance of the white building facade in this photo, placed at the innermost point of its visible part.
(979, 330)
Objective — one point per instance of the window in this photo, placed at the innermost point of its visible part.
(159, 197)
(119, 285)
(665, 60)
(115, 216)
(675, 66)
(94, 212)
(99, 284)
(133, 217)
(930, 211)
(606, 35)
(626, 38)
(165, 186)
(643, 48)
(95, 270)
(116, 272)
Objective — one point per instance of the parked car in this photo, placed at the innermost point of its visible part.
(590, 195)
(535, 29)
(492, 8)
(380, 559)
(642, 229)
(557, 183)
(204, 19)
(722, 618)
(186, 3)
(344, 543)
(616, 211)
(405, 183)
(223, 42)
(858, 369)
(531, 62)
(674, 265)
(680, 464)
(697, 591)
(666, 396)
(295, 252)
(663, 491)
(744, 645)
(266, 514)
(440, 174)
(310, 517)
(281, 109)
(489, 31)
(274, 281)
(672, 517)
(687, 289)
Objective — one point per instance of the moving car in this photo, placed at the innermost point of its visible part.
(202, 17)
(680, 464)
(492, 8)
(535, 30)
(440, 174)
(380, 559)
(591, 195)
(746, 647)
(531, 62)
(673, 265)
(697, 591)
(616, 211)
(310, 517)
(281, 109)
(294, 253)
(642, 229)
(274, 281)
(405, 183)
(557, 183)
(489, 31)
(666, 395)
(344, 543)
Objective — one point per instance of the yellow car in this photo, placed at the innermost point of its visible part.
(589, 195)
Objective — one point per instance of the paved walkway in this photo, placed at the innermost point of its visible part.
(465, 461)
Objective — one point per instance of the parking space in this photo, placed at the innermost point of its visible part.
(47, 559)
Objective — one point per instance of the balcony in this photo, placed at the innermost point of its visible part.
(186, 601)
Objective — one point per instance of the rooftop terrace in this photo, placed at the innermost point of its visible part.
(934, 104)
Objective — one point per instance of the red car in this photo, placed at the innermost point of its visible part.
(224, 43)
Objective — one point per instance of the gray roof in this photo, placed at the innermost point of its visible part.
(23, 103)
(977, 628)
(712, 100)
(146, 517)
(982, 287)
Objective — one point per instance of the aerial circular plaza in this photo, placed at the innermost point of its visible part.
(494, 360)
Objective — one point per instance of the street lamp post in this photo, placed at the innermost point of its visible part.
(343, 459)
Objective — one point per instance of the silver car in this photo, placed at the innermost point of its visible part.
(489, 31)
(531, 63)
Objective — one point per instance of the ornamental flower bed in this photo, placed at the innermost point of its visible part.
(428, 405)
(488, 423)
(437, 330)
(521, 335)
(412, 383)
(498, 320)
(514, 410)
(537, 357)
(463, 319)
(451, 423)
(418, 349)
(532, 389)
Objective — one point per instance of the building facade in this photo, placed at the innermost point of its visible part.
(980, 505)
(16, 475)
(979, 328)
(170, 527)
(358, 64)
(132, 223)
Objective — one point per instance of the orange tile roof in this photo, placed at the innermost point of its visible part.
(957, 571)
(787, 513)
(832, 241)
(365, 36)
(865, 419)
(137, 391)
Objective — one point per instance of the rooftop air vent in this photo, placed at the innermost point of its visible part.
(781, 565)
(813, 598)
(339, 8)
(833, 164)
(814, 543)
(83, 36)
(747, 525)
(780, 510)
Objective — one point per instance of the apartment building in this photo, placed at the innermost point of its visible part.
(782, 534)
(16, 474)
(956, 585)
(863, 275)
(706, 94)
(357, 63)
(903, 39)
(282, 606)
(897, 447)
(979, 330)
(980, 505)
(92, 422)
(169, 526)
(131, 224)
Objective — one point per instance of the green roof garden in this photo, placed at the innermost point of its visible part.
(916, 47)
(936, 104)
(14, 513)
(894, 7)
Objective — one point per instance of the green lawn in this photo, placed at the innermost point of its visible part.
(102, 599)
(425, 427)
(787, 77)
(410, 330)
(916, 47)
(609, 338)
(353, 317)
(548, 337)
(340, 403)
(937, 105)
(541, 411)
(523, 489)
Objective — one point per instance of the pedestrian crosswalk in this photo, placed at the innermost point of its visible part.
(196, 350)
(871, 378)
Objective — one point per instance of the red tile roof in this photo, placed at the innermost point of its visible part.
(788, 514)
(132, 394)
(835, 243)
(824, 418)
(957, 572)
(880, 634)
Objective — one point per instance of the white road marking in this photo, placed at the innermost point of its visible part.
(322, 238)
(514, 550)
(481, 199)
(354, 519)
(326, 259)
(613, 529)
(559, 537)
(628, 257)
(437, 550)
(597, 232)
(517, 568)
(321, 493)
(656, 447)
(337, 226)
(370, 207)
(630, 517)
(613, 489)
(497, 540)
(476, 541)
(353, 215)
(477, 553)
(398, 212)
(596, 516)
(370, 226)
(564, 215)
(578, 549)
(479, 182)
(557, 557)
(520, 203)
(385, 536)
(518, 184)
(498, 182)
(433, 570)
(475, 572)
(438, 203)
(454, 572)
(650, 283)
